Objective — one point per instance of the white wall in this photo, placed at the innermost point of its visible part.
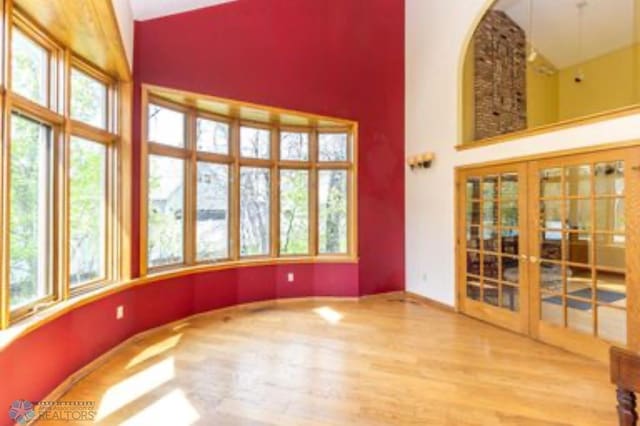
(435, 33)
(124, 15)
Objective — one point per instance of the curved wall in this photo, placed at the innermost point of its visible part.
(32, 366)
(330, 57)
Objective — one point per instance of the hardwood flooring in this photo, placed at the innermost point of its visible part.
(382, 361)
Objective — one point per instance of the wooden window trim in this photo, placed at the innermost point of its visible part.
(235, 162)
(56, 115)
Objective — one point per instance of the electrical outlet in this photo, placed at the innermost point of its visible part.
(120, 312)
(424, 277)
(290, 277)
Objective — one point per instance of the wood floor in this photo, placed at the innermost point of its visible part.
(385, 361)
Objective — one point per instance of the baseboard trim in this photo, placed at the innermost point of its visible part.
(429, 302)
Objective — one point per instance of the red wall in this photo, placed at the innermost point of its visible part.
(342, 58)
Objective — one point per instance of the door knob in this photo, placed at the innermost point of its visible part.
(533, 259)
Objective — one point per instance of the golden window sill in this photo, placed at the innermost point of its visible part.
(36, 320)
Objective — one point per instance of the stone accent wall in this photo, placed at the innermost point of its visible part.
(500, 80)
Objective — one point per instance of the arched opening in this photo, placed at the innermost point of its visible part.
(534, 64)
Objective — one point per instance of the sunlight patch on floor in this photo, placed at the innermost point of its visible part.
(132, 388)
(153, 350)
(172, 409)
(330, 315)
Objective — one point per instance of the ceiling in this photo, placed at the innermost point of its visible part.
(149, 9)
(608, 26)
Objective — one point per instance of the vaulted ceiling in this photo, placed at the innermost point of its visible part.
(607, 26)
(149, 9)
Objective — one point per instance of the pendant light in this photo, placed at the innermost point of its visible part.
(579, 77)
(533, 54)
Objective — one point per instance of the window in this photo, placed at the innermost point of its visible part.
(29, 68)
(332, 216)
(166, 126)
(238, 190)
(88, 99)
(294, 146)
(294, 212)
(88, 205)
(30, 227)
(166, 211)
(212, 218)
(333, 147)
(254, 211)
(63, 174)
(255, 143)
(212, 136)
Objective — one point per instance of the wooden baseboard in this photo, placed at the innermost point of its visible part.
(429, 302)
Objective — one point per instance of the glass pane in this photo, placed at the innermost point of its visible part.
(88, 204)
(255, 207)
(473, 188)
(30, 168)
(88, 100)
(29, 68)
(612, 324)
(578, 181)
(551, 214)
(509, 213)
(551, 245)
(490, 187)
(551, 183)
(212, 218)
(579, 248)
(609, 178)
(473, 237)
(552, 309)
(294, 212)
(490, 292)
(166, 126)
(490, 209)
(578, 214)
(509, 186)
(332, 211)
(610, 253)
(212, 136)
(166, 211)
(579, 282)
(473, 263)
(255, 143)
(580, 316)
(294, 146)
(550, 278)
(511, 298)
(491, 267)
(490, 239)
(473, 213)
(473, 289)
(612, 288)
(511, 270)
(510, 241)
(333, 147)
(610, 214)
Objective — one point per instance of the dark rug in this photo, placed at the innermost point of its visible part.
(604, 296)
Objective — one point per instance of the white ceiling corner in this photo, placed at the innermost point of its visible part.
(149, 9)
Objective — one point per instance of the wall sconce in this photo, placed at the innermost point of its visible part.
(420, 161)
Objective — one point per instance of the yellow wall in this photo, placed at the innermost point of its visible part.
(608, 84)
(542, 95)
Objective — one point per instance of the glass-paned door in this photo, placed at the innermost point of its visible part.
(491, 243)
(581, 244)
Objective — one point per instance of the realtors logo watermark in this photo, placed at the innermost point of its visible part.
(23, 411)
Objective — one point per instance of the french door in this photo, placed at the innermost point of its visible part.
(551, 249)
(492, 240)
